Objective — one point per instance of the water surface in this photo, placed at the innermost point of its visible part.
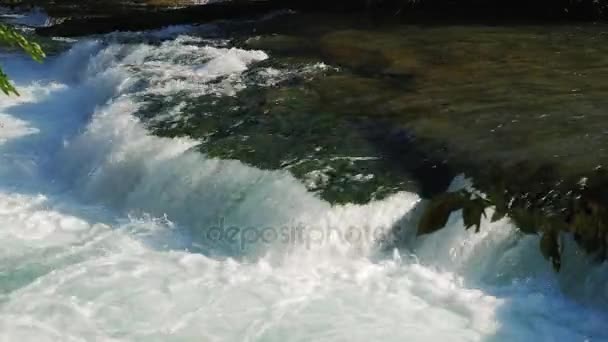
(108, 196)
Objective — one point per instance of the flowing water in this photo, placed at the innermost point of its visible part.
(112, 233)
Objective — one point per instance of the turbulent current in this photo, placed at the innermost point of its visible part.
(109, 233)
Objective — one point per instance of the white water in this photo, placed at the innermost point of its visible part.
(102, 231)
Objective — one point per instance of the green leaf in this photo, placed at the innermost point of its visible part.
(11, 37)
(5, 85)
(438, 212)
(472, 212)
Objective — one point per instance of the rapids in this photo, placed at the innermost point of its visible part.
(110, 233)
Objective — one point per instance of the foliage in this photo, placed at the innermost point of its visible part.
(11, 37)
(473, 208)
(439, 210)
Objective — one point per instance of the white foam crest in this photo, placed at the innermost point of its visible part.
(177, 66)
(11, 128)
(104, 284)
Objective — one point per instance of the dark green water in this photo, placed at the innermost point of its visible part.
(361, 109)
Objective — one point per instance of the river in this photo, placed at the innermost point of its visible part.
(112, 233)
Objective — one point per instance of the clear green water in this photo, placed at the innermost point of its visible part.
(401, 100)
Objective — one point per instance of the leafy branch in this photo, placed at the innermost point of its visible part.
(439, 209)
(9, 36)
(473, 207)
